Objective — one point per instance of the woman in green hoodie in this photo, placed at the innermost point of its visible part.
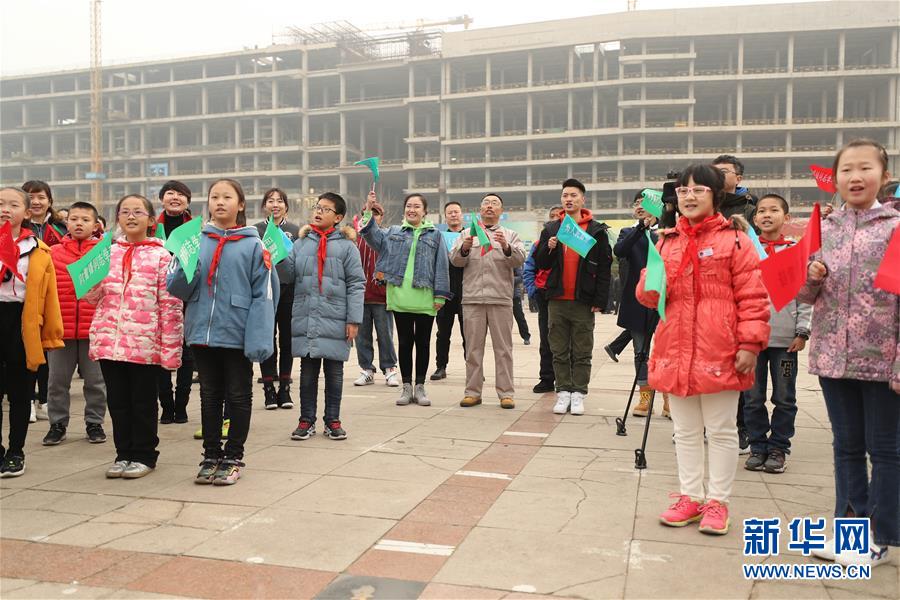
(414, 261)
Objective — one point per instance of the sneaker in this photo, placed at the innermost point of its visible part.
(743, 441)
(207, 471)
(334, 431)
(419, 394)
(40, 411)
(13, 465)
(683, 512)
(33, 417)
(95, 433)
(136, 470)
(526, 341)
(198, 435)
(365, 378)
(715, 518)
(271, 396)
(468, 401)
(563, 400)
(391, 377)
(228, 473)
(826, 553)
(304, 431)
(116, 469)
(406, 395)
(755, 462)
(577, 406)
(284, 396)
(226, 425)
(610, 353)
(878, 555)
(507, 403)
(439, 373)
(56, 434)
(543, 386)
(775, 462)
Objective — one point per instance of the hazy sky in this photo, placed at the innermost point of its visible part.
(42, 35)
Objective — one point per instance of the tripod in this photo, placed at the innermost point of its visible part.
(640, 454)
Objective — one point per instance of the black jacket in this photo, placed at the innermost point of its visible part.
(632, 246)
(743, 204)
(592, 281)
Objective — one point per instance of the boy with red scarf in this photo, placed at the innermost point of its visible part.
(329, 289)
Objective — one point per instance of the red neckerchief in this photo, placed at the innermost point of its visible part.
(769, 245)
(320, 253)
(217, 255)
(692, 253)
(16, 254)
(164, 216)
(129, 255)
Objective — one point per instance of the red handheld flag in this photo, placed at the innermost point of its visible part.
(824, 178)
(9, 251)
(888, 276)
(784, 273)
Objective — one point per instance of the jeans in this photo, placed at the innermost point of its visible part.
(131, 398)
(226, 380)
(572, 342)
(309, 388)
(765, 436)
(519, 315)
(414, 330)
(382, 319)
(641, 354)
(865, 419)
(282, 343)
(18, 381)
(445, 316)
(183, 379)
(546, 371)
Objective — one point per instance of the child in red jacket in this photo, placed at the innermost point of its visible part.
(77, 315)
(717, 321)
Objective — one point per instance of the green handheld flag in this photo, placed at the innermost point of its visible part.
(92, 268)
(273, 240)
(184, 243)
(160, 232)
(655, 279)
(652, 202)
(477, 230)
(572, 235)
(371, 162)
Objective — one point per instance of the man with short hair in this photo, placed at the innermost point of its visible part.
(487, 300)
(453, 216)
(738, 200)
(576, 289)
(536, 293)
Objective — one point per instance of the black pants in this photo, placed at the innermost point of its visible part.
(176, 404)
(413, 330)
(131, 399)
(621, 342)
(309, 388)
(282, 345)
(226, 380)
(445, 317)
(519, 315)
(42, 379)
(546, 372)
(18, 381)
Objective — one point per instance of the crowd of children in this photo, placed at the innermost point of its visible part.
(721, 338)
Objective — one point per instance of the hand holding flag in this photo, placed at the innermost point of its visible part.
(477, 230)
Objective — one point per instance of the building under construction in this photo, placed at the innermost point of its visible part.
(616, 101)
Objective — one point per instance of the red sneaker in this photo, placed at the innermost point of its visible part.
(684, 512)
(715, 518)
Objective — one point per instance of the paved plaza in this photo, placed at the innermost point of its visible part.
(418, 502)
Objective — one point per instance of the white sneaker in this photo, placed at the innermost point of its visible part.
(365, 378)
(577, 407)
(563, 399)
(33, 417)
(40, 411)
(826, 553)
(391, 379)
(877, 556)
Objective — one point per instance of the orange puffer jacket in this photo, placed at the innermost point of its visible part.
(694, 348)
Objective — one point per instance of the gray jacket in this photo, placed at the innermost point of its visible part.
(319, 318)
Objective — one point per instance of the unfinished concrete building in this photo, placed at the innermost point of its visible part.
(615, 100)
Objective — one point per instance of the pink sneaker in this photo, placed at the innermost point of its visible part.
(715, 518)
(684, 512)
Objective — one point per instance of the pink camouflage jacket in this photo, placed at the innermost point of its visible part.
(141, 322)
(854, 333)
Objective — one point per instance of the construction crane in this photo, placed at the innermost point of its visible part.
(420, 24)
(632, 5)
(96, 175)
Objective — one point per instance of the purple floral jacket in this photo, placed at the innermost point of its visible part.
(854, 325)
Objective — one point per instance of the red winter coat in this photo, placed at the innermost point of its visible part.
(76, 314)
(694, 348)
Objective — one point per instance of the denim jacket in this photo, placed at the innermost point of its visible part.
(431, 269)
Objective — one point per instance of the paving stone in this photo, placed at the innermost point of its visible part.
(358, 496)
(375, 588)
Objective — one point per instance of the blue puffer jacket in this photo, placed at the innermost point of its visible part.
(528, 273)
(432, 263)
(238, 311)
(319, 318)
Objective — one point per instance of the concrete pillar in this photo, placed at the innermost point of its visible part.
(842, 48)
(411, 86)
(824, 106)
(529, 114)
(274, 93)
(595, 101)
(143, 106)
(487, 73)
(530, 68)
(739, 118)
(204, 99)
(790, 54)
(571, 67)
(789, 103)
(487, 117)
(740, 65)
(840, 98)
(570, 117)
(172, 137)
(171, 103)
(596, 62)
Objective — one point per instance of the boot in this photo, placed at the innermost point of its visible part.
(643, 407)
(406, 395)
(271, 396)
(284, 395)
(665, 410)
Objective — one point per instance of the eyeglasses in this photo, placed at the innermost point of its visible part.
(727, 171)
(323, 209)
(696, 191)
(491, 203)
(137, 214)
